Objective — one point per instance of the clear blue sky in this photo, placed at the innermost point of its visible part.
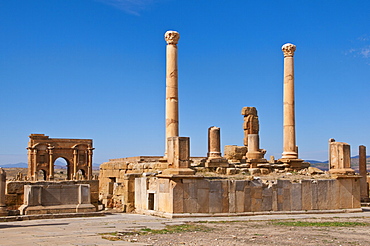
(96, 69)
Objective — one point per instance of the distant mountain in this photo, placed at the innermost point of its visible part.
(20, 164)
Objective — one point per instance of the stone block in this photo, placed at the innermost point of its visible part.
(215, 197)
(247, 198)
(233, 152)
(225, 196)
(267, 193)
(15, 187)
(356, 191)
(232, 196)
(315, 195)
(176, 197)
(203, 200)
(306, 194)
(231, 171)
(296, 197)
(323, 194)
(345, 186)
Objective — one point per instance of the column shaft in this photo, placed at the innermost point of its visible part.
(289, 148)
(172, 111)
(364, 191)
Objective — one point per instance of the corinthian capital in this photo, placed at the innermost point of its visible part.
(172, 37)
(288, 49)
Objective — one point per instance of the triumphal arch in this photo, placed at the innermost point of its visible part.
(44, 151)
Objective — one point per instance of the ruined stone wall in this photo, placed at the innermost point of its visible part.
(14, 196)
(206, 196)
(117, 179)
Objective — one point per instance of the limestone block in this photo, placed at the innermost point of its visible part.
(247, 198)
(267, 193)
(225, 196)
(340, 158)
(177, 196)
(306, 195)
(15, 187)
(254, 171)
(296, 197)
(286, 200)
(323, 194)
(356, 191)
(256, 195)
(232, 196)
(315, 195)
(345, 186)
(215, 196)
(239, 195)
(231, 171)
(202, 200)
(233, 152)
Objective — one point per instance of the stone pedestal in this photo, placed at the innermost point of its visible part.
(364, 190)
(3, 211)
(255, 155)
(214, 158)
(340, 158)
(178, 156)
(172, 110)
(235, 153)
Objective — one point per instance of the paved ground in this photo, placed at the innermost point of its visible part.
(85, 231)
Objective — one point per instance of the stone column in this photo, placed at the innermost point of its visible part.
(172, 110)
(3, 211)
(89, 170)
(289, 149)
(214, 142)
(214, 158)
(75, 155)
(51, 163)
(364, 190)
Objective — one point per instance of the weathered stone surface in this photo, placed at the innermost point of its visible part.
(43, 152)
(340, 158)
(289, 148)
(314, 170)
(234, 153)
(55, 198)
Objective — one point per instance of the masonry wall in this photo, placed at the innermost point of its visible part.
(179, 196)
(14, 196)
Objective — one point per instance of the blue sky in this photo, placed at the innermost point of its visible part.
(96, 69)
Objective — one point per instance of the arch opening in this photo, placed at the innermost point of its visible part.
(61, 169)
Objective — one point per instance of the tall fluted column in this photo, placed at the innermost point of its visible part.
(172, 109)
(289, 149)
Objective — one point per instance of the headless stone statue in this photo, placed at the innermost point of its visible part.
(251, 123)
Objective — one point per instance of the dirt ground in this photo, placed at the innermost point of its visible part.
(260, 233)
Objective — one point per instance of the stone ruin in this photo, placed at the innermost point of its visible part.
(178, 185)
(241, 182)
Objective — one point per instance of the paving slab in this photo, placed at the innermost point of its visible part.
(86, 231)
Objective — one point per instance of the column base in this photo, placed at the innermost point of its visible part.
(178, 171)
(289, 155)
(293, 163)
(216, 162)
